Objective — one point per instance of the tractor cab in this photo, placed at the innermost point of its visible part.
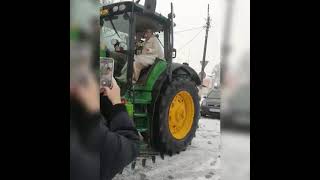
(121, 37)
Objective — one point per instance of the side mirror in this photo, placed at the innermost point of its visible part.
(174, 53)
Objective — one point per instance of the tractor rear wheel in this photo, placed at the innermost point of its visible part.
(178, 116)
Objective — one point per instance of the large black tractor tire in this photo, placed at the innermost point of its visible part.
(168, 142)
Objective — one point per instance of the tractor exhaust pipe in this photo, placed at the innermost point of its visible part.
(150, 6)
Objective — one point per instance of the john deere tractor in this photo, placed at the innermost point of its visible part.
(164, 102)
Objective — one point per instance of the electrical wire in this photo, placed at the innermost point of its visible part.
(191, 29)
(190, 40)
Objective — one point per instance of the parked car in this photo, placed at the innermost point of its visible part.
(211, 103)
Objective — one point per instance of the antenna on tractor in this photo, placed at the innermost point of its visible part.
(150, 6)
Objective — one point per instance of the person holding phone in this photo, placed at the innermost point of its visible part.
(98, 151)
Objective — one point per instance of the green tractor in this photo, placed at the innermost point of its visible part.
(164, 102)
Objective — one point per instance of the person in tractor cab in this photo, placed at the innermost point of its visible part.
(151, 49)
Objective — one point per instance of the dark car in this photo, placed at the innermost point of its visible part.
(211, 103)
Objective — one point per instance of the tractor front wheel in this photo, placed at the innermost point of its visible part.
(178, 116)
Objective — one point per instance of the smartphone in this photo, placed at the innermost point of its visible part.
(106, 71)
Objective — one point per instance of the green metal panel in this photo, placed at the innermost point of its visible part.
(143, 96)
(129, 107)
(102, 53)
(157, 70)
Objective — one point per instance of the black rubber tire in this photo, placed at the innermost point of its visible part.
(166, 142)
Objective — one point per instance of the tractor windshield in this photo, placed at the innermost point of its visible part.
(114, 39)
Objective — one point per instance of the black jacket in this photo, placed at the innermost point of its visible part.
(97, 151)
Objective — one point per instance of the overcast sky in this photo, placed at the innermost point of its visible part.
(192, 14)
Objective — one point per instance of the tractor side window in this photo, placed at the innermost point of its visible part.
(161, 38)
(114, 40)
(115, 33)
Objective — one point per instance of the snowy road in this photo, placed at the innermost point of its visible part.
(201, 160)
(235, 162)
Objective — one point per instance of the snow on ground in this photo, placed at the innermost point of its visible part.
(201, 160)
(235, 154)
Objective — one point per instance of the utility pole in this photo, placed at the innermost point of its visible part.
(204, 62)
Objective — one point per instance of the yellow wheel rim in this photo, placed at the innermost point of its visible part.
(181, 114)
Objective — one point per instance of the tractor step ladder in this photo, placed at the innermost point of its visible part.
(140, 115)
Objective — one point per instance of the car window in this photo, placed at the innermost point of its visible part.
(214, 94)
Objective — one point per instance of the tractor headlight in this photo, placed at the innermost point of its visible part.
(115, 9)
(104, 12)
(122, 7)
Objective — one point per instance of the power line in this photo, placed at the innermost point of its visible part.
(191, 40)
(177, 32)
(188, 29)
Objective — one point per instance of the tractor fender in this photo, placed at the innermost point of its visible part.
(177, 69)
(185, 68)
